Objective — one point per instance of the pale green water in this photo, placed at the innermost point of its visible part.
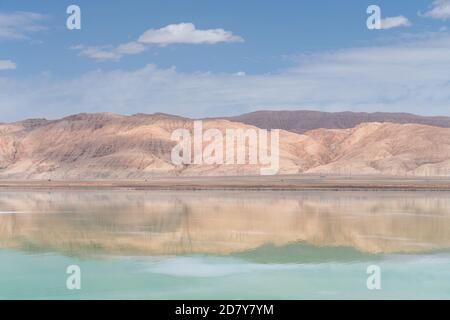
(224, 245)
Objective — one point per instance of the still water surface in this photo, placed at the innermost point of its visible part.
(230, 245)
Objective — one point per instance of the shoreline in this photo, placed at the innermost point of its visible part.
(242, 183)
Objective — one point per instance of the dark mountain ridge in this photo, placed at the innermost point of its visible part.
(300, 121)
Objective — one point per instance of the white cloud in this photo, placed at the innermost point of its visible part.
(7, 65)
(19, 25)
(183, 33)
(440, 9)
(186, 33)
(411, 76)
(395, 22)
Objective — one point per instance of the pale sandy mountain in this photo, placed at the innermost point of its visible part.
(301, 121)
(111, 146)
(390, 149)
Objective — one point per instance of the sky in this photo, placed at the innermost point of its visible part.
(218, 58)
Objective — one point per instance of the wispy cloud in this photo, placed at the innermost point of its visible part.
(97, 53)
(182, 33)
(19, 25)
(411, 76)
(7, 65)
(105, 53)
(440, 9)
(395, 22)
(130, 48)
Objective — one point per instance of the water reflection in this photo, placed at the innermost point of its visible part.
(169, 223)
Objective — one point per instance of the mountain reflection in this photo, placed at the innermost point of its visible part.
(124, 222)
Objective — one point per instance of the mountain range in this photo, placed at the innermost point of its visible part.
(112, 146)
(304, 120)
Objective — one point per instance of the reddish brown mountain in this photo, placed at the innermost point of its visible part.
(303, 120)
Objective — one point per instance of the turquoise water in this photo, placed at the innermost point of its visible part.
(215, 245)
(27, 276)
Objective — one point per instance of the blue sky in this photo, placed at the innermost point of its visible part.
(277, 55)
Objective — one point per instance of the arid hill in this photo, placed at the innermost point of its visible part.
(111, 146)
(301, 121)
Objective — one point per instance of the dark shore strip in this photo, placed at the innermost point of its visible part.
(266, 183)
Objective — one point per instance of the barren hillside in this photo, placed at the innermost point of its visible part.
(110, 146)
